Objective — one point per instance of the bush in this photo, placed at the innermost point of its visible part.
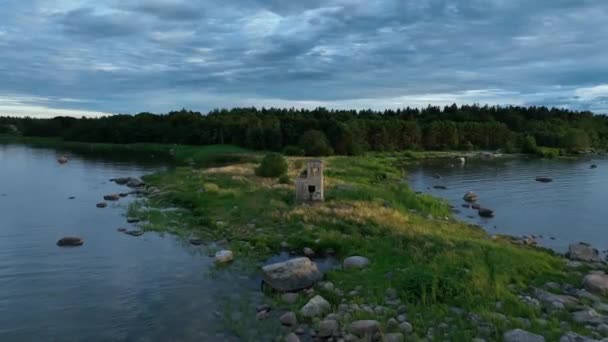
(284, 179)
(273, 165)
(315, 143)
(293, 151)
(529, 145)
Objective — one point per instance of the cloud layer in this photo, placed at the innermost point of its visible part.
(111, 56)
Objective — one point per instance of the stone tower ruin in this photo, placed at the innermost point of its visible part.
(309, 185)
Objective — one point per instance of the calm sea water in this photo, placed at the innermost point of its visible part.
(573, 208)
(115, 287)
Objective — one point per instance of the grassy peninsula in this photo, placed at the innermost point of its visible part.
(453, 280)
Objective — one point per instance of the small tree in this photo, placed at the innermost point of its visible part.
(273, 165)
(315, 143)
(529, 145)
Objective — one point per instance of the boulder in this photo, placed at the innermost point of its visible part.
(196, 241)
(583, 252)
(483, 212)
(364, 328)
(470, 196)
(555, 301)
(544, 179)
(596, 283)
(70, 241)
(62, 159)
(593, 166)
(120, 181)
(573, 337)
(315, 307)
(122, 230)
(112, 197)
(101, 205)
(589, 316)
(132, 220)
(223, 257)
(291, 337)
(519, 335)
(356, 262)
(308, 252)
(289, 319)
(135, 232)
(328, 327)
(291, 275)
(135, 182)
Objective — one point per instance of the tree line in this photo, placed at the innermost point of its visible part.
(345, 132)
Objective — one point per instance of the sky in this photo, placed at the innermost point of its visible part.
(98, 57)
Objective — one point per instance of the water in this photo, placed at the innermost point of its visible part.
(114, 287)
(572, 208)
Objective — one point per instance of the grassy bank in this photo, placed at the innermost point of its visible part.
(435, 263)
(179, 154)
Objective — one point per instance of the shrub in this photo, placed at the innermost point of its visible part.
(284, 179)
(291, 150)
(273, 165)
(315, 143)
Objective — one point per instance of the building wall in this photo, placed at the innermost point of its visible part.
(310, 188)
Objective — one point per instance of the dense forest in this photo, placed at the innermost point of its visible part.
(322, 131)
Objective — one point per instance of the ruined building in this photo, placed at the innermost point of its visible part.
(309, 185)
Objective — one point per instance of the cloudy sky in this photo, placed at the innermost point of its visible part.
(118, 56)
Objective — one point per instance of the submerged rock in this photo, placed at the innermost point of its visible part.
(196, 241)
(291, 275)
(440, 187)
(132, 220)
(596, 283)
(519, 335)
(483, 212)
(583, 252)
(112, 197)
(593, 166)
(316, 306)
(62, 159)
(122, 230)
(470, 196)
(101, 205)
(544, 179)
(356, 262)
(135, 232)
(70, 241)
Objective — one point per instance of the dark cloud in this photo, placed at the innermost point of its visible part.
(118, 56)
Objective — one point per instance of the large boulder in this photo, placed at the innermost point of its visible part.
(583, 252)
(70, 241)
(589, 317)
(596, 283)
(291, 275)
(555, 301)
(315, 307)
(519, 335)
(356, 262)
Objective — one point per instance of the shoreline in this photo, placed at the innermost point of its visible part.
(425, 278)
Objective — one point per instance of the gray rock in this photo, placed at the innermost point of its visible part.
(596, 283)
(573, 337)
(328, 327)
(364, 328)
(308, 252)
(223, 257)
(289, 319)
(70, 241)
(588, 316)
(583, 252)
(555, 301)
(356, 262)
(402, 318)
(291, 337)
(394, 337)
(291, 275)
(406, 327)
(315, 307)
(262, 315)
(519, 335)
(392, 324)
(135, 182)
(290, 297)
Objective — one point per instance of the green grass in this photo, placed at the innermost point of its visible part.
(434, 263)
